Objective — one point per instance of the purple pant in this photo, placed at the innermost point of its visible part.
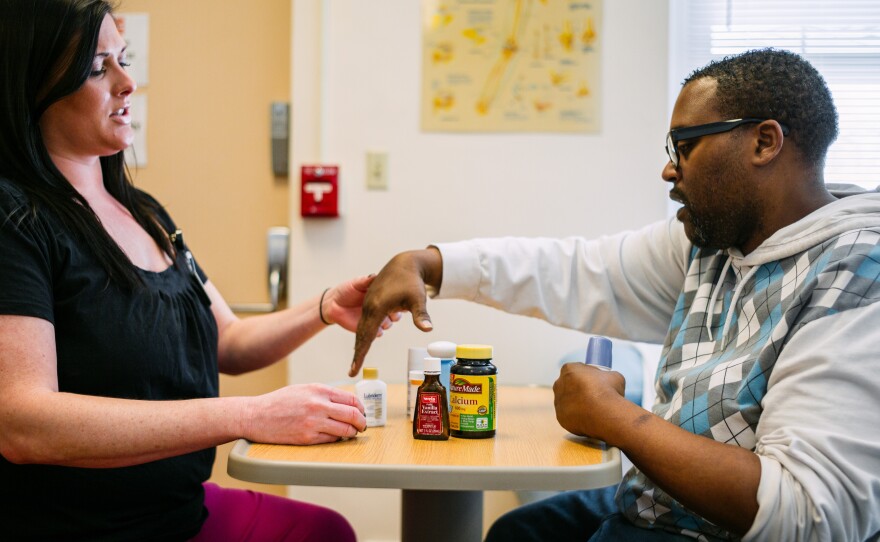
(240, 515)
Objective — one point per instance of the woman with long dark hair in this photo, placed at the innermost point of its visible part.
(111, 336)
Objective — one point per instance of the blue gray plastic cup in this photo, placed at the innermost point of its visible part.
(599, 352)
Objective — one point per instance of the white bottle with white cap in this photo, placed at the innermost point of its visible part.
(373, 393)
(444, 350)
(415, 362)
(416, 377)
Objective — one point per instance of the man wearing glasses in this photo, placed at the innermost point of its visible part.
(764, 290)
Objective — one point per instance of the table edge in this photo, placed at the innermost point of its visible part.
(438, 477)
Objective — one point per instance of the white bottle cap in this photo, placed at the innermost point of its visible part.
(442, 349)
(415, 357)
(432, 365)
(417, 375)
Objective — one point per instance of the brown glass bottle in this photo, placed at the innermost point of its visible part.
(431, 417)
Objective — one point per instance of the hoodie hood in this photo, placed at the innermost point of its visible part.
(854, 209)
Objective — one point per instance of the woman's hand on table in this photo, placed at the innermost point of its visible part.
(303, 414)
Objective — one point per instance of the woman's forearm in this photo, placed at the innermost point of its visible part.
(86, 431)
(248, 344)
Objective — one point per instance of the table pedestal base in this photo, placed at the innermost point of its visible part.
(442, 516)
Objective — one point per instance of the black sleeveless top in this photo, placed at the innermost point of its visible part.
(156, 343)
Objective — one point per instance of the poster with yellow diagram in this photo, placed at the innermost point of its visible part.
(511, 65)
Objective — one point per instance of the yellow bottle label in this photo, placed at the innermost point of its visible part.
(472, 403)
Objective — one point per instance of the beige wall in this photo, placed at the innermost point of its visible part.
(215, 68)
(356, 87)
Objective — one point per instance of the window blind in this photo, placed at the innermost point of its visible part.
(841, 39)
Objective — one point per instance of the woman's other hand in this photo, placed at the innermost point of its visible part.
(343, 304)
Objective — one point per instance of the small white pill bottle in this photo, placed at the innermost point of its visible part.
(416, 378)
(373, 393)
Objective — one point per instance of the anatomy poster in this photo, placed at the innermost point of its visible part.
(511, 65)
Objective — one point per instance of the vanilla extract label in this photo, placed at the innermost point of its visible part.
(428, 417)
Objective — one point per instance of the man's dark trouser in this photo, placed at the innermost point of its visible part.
(575, 516)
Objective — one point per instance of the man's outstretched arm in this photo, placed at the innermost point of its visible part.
(400, 285)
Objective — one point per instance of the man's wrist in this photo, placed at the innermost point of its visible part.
(430, 263)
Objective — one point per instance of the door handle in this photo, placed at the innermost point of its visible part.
(278, 249)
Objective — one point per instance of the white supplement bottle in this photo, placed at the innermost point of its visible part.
(416, 377)
(444, 350)
(415, 361)
(373, 393)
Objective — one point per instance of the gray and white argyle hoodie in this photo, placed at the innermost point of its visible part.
(735, 317)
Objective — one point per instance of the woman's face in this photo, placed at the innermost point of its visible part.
(95, 120)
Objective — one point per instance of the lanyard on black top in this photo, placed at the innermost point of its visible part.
(177, 239)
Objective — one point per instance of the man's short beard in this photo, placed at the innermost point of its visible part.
(705, 231)
(721, 231)
(728, 215)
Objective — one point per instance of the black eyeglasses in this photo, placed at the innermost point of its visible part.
(691, 132)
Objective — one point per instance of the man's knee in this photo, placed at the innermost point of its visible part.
(511, 526)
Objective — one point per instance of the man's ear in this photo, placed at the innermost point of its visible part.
(768, 142)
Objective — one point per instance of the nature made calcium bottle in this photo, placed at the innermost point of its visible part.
(473, 380)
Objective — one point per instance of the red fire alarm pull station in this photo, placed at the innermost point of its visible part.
(320, 191)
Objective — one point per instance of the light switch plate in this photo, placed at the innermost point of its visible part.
(377, 170)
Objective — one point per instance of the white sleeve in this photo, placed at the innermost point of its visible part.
(624, 285)
(819, 434)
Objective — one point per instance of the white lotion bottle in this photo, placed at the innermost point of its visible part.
(444, 350)
(415, 361)
(416, 378)
(373, 394)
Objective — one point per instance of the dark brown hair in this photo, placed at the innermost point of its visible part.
(47, 48)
